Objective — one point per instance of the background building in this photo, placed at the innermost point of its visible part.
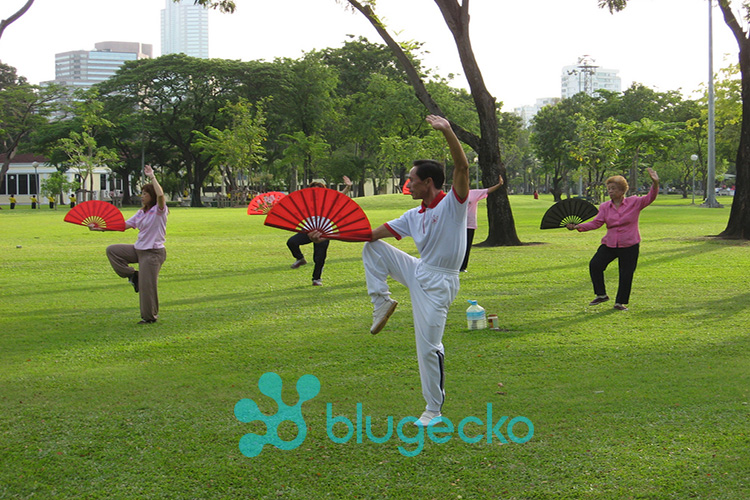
(27, 172)
(528, 112)
(588, 77)
(184, 29)
(84, 68)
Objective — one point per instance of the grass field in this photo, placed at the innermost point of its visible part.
(651, 403)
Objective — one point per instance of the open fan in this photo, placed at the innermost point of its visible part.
(406, 189)
(568, 211)
(262, 203)
(99, 213)
(332, 213)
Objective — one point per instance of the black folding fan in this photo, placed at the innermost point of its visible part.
(568, 211)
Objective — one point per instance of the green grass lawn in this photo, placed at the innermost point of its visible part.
(651, 403)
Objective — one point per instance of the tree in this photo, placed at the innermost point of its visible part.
(174, 103)
(239, 145)
(738, 226)
(553, 131)
(595, 148)
(7, 22)
(56, 184)
(23, 109)
(644, 137)
(305, 151)
(502, 230)
(81, 146)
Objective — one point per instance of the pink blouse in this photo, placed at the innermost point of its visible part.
(622, 222)
(152, 227)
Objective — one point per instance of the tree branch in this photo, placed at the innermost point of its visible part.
(731, 21)
(7, 22)
(414, 79)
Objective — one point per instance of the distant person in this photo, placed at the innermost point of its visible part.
(475, 195)
(622, 241)
(320, 250)
(12, 201)
(33, 202)
(72, 200)
(51, 200)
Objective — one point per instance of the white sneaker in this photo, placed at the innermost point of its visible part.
(429, 418)
(381, 314)
(317, 282)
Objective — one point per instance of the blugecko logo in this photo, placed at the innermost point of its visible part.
(308, 386)
(246, 410)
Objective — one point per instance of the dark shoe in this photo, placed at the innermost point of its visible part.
(133, 280)
(146, 321)
(621, 307)
(298, 263)
(599, 300)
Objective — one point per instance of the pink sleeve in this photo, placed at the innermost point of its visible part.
(594, 224)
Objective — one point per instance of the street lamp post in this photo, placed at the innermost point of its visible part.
(694, 157)
(711, 167)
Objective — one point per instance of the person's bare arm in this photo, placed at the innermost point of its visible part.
(460, 163)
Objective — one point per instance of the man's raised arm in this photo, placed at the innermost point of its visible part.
(460, 163)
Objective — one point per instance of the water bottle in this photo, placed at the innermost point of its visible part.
(475, 316)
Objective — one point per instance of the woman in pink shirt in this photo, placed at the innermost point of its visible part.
(148, 251)
(475, 195)
(622, 240)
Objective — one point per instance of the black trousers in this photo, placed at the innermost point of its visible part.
(469, 241)
(627, 260)
(320, 252)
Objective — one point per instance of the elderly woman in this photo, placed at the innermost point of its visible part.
(622, 240)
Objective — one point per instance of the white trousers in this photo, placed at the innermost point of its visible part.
(432, 292)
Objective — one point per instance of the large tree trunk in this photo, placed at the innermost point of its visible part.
(502, 229)
(738, 226)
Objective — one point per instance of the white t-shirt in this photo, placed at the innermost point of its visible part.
(439, 231)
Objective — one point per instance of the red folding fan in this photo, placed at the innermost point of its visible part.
(406, 189)
(262, 203)
(101, 214)
(332, 213)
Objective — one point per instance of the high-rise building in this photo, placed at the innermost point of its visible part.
(528, 112)
(184, 29)
(587, 77)
(84, 68)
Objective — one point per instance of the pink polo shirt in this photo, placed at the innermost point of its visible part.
(152, 227)
(622, 222)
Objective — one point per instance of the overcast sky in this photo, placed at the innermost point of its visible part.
(521, 46)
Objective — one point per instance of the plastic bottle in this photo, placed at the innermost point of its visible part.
(476, 318)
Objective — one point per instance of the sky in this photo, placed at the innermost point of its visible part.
(521, 46)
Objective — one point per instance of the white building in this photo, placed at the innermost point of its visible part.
(184, 29)
(84, 68)
(27, 172)
(528, 112)
(587, 77)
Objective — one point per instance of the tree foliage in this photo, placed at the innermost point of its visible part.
(738, 225)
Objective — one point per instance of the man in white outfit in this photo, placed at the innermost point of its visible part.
(438, 228)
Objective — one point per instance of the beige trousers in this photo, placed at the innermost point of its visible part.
(149, 264)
